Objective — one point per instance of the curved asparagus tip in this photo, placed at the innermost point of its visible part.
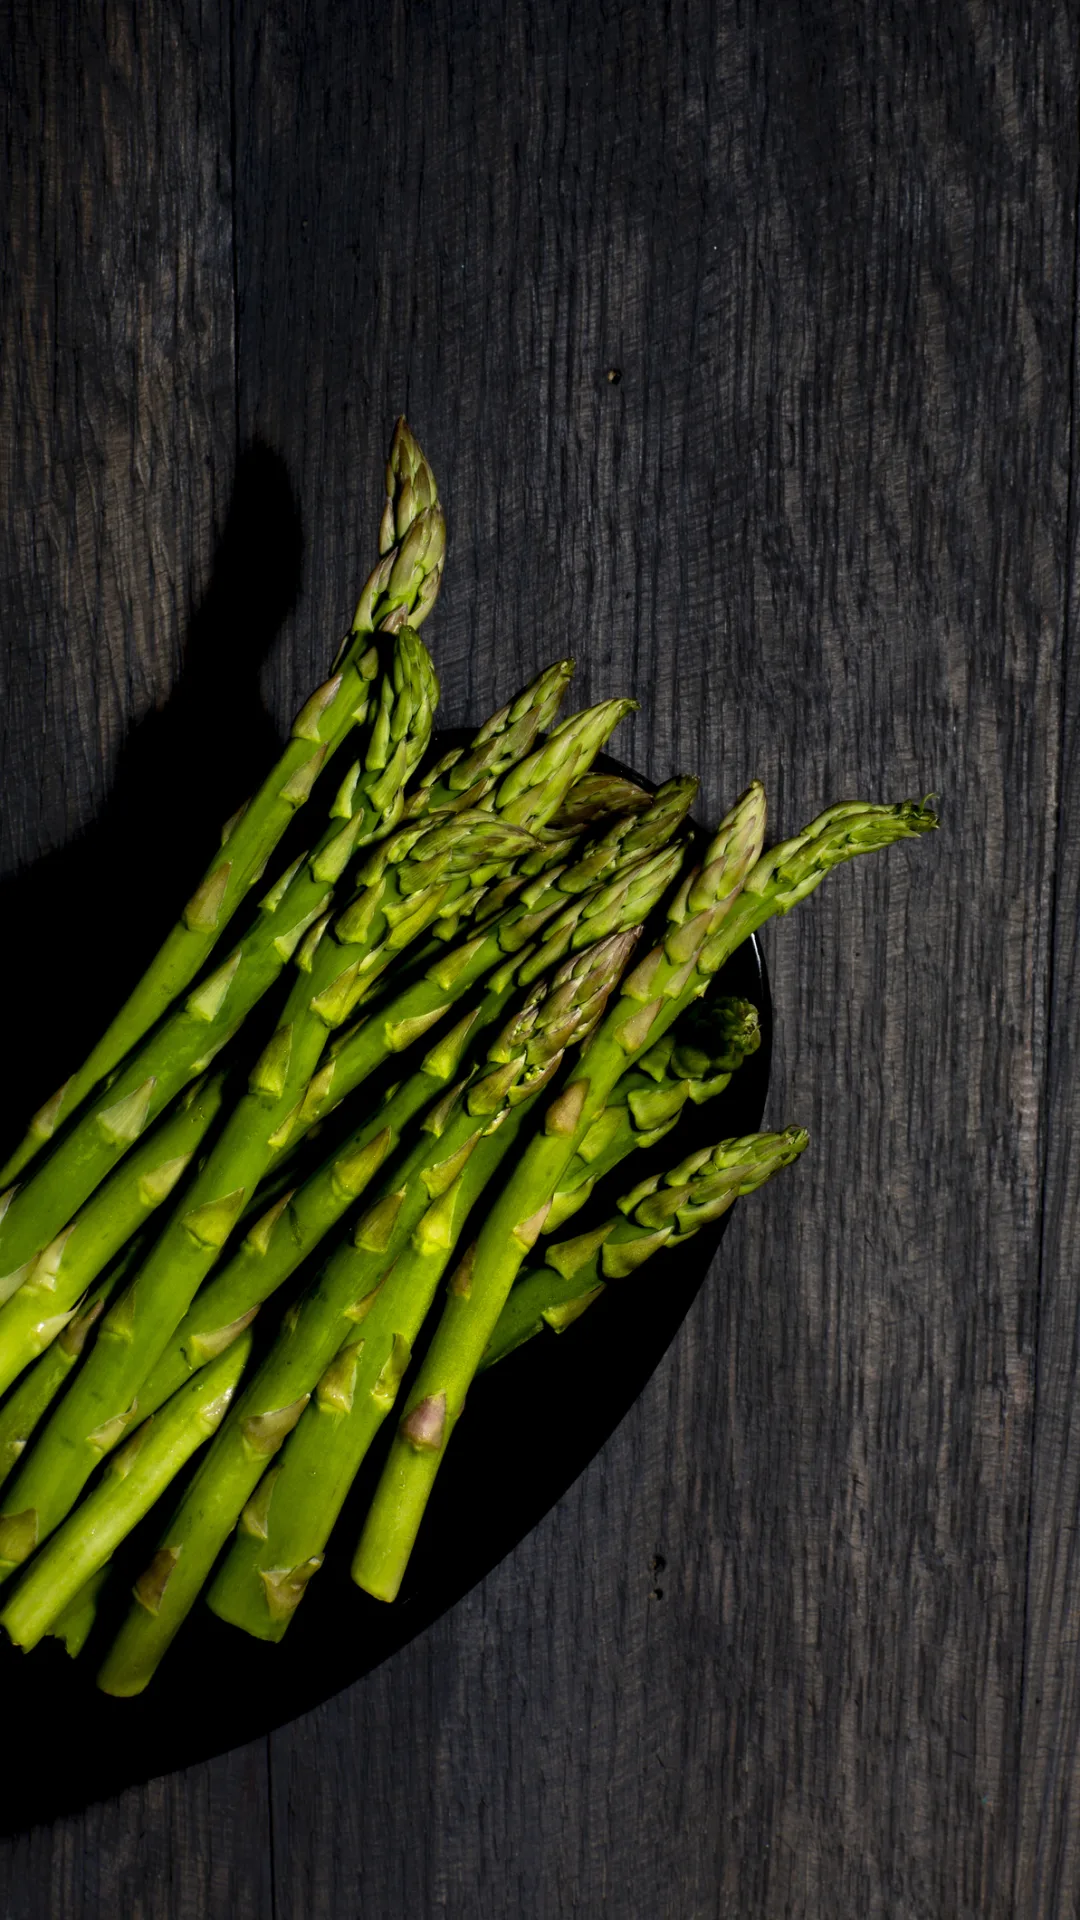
(791, 870)
(412, 546)
(732, 852)
(410, 486)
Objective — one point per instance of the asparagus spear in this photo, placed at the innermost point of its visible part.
(181, 1047)
(663, 1211)
(403, 586)
(38, 1388)
(131, 1483)
(522, 1061)
(59, 1276)
(736, 889)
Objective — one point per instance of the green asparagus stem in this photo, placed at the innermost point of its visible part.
(402, 587)
(38, 1388)
(182, 1046)
(521, 1062)
(131, 1483)
(58, 1278)
(708, 919)
(663, 1211)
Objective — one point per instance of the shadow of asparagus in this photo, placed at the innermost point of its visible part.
(183, 770)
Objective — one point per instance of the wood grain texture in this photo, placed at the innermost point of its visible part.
(1048, 1858)
(775, 1654)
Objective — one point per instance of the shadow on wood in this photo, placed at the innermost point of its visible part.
(83, 922)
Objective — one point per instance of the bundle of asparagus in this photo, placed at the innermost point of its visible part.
(239, 1264)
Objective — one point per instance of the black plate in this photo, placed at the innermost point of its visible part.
(218, 1688)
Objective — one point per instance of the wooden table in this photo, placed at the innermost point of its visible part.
(742, 339)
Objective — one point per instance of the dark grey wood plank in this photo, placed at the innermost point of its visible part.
(817, 527)
(118, 569)
(1048, 1853)
(188, 1847)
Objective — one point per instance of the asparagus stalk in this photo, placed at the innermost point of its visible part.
(182, 1046)
(36, 1391)
(133, 1480)
(711, 914)
(57, 1279)
(663, 1211)
(402, 587)
(521, 1062)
